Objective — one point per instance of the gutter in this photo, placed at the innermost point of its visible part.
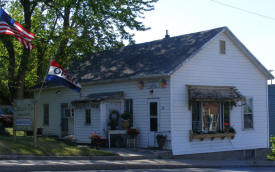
(86, 83)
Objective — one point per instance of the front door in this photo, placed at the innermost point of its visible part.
(153, 113)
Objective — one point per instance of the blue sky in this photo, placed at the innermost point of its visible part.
(187, 16)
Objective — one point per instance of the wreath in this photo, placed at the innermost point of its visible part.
(114, 115)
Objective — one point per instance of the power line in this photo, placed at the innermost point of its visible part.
(243, 10)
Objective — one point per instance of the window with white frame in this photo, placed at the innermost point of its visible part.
(248, 113)
(210, 116)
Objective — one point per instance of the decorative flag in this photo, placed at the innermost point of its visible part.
(60, 75)
(10, 27)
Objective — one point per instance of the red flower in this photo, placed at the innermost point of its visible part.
(226, 124)
(132, 132)
(95, 136)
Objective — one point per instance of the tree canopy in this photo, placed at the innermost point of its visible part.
(65, 30)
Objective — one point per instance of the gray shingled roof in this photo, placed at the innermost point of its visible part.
(156, 58)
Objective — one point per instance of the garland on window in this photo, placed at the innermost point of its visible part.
(114, 113)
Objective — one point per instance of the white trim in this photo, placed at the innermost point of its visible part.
(253, 123)
(149, 100)
(267, 106)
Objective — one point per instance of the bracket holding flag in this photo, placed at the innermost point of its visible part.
(9, 26)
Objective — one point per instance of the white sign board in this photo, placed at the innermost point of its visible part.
(23, 115)
(152, 84)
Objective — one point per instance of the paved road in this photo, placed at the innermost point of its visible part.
(257, 169)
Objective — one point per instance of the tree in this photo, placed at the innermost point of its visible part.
(66, 29)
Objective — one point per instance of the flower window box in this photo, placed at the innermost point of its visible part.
(212, 136)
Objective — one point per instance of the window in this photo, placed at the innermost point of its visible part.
(196, 116)
(64, 112)
(153, 116)
(210, 116)
(88, 116)
(129, 109)
(248, 113)
(222, 47)
(72, 112)
(226, 119)
(46, 114)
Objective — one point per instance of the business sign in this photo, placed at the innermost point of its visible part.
(152, 84)
(23, 115)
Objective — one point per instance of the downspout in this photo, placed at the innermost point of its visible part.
(171, 116)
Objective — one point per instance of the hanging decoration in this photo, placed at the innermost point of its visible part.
(141, 84)
(163, 83)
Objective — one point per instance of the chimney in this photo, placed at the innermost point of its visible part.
(167, 35)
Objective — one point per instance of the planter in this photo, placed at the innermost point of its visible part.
(161, 139)
(201, 137)
(125, 124)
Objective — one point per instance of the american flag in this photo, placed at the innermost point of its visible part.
(10, 27)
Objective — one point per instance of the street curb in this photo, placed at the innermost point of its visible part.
(61, 167)
(34, 157)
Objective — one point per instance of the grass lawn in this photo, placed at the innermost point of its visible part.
(45, 146)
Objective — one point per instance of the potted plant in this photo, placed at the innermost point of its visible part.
(95, 140)
(126, 120)
(133, 132)
(161, 139)
(231, 130)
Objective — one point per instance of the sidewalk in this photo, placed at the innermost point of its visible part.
(123, 154)
(63, 165)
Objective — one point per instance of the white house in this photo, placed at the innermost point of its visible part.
(191, 88)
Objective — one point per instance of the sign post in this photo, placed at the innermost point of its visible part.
(35, 124)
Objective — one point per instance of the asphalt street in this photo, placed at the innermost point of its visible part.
(256, 169)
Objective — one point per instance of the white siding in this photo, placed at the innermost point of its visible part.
(130, 89)
(209, 67)
(54, 99)
(83, 131)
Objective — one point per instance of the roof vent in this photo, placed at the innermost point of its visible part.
(167, 35)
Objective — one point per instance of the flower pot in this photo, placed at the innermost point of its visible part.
(161, 143)
(125, 124)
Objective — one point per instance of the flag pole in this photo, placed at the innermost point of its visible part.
(35, 108)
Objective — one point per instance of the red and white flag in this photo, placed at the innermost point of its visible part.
(10, 27)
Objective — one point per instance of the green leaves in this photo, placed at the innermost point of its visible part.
(67, 29)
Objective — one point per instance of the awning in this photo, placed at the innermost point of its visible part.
(95, 98)
(213, 93)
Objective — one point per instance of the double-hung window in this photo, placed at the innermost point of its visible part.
(248, 113)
